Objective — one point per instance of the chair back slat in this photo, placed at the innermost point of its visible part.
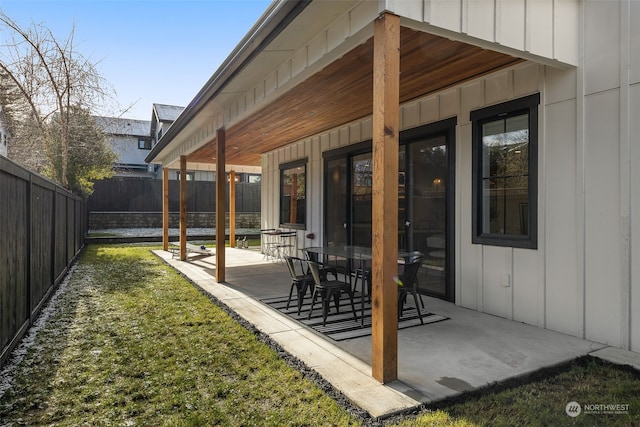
(291, 260)
(292, 270)
(315, 271)
(411, 270)
(411, 256)
(310, 256)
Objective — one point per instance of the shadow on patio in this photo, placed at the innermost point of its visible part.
(436, 361)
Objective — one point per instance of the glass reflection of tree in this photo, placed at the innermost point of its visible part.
(294, 181)
(506, 175)
(362, 177)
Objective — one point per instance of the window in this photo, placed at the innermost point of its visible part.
(505, 141)
(144, 144)
(293, 193)
(190, 176)
(254, 178)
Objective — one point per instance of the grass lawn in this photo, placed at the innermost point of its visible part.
(542, 399)
(133, 343)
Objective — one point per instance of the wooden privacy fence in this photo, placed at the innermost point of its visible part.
(42, 229)
(123, 194)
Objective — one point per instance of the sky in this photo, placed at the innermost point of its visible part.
(149, 51)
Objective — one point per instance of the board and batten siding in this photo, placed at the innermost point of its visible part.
(584, 278)
(482, 272)
(609, 148)
(634, 172)
(545, 29)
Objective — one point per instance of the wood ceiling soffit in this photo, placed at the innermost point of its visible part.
(343, 92)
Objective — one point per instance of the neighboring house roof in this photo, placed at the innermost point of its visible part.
(162, 113)
(166, 113)
(122, 126)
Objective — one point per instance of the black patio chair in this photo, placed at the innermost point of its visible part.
(324, 269)
(363, 273)
(328, 289)
(300, 280)
(406, 285)
(409, 257)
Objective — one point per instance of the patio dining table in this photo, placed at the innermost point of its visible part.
(356, 255)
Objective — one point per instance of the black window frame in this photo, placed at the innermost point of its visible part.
(144, 143)
(528, 105)
(284, 167)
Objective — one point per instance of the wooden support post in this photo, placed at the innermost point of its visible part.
(165, 209)
(220, 205)
(386, 99)
(183, 208)
(232, 209)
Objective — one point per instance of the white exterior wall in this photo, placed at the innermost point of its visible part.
(584, 278)
(546, 30)
(507, 282)
(127, 149)
(482, 271)
(3, 142)
(558, 205)
(609, 108)
(198, 175)
(4, 136)
(634, 171)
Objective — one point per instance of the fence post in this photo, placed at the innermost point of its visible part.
(54, 210)
(29, 244)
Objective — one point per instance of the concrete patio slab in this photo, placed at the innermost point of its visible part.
(618, 356)
(468, 351)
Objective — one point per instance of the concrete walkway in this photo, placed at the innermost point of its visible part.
(436, 361)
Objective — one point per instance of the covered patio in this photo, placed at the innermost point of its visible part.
(470, 350)
(465, 133)
(359, 68)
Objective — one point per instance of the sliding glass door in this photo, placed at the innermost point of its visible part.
(425, 201)
(361, 199)
(428, 213)
(336, 184)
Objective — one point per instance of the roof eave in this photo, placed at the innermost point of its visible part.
(275, 19)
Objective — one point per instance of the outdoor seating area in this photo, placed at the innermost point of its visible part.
(329, 290)
(326, 288)
(436, 360)
(276, 244)
(358, 273)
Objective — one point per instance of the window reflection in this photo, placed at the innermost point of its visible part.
(362, 198)
(505, 175)
(293, 195)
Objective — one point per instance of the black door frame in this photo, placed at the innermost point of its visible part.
(446, 128)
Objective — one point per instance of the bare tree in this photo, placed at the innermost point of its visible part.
(47, 88)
